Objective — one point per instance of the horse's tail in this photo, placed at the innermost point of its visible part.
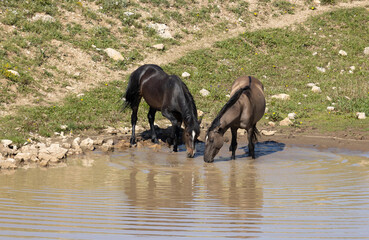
(132, 95)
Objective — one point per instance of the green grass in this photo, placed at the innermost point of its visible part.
(283, 59)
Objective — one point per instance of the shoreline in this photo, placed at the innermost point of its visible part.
(55, 152)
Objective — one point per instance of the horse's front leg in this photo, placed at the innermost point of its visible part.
(151, 117)
(175, 128)
(233, 145)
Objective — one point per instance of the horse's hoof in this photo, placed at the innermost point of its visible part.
(155, 140)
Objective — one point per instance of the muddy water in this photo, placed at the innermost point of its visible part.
(288, 192)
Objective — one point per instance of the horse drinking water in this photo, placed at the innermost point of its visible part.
(243, 110)
(168, 94)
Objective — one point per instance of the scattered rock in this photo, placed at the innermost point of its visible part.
(43, 17)
(114, 54)
(15, 73)
(9, 163)
(272, 124)
(285, 122)
(321, 69)
(281, 96)
(204, 92)
(161, 29)
(128, 13)
(185, 74)
(6, 143)
(360, 115)
(311, 85)
(111, 130)
(200, 113)
(292, 116)
(316, 89)
(53, 153)
(366, 51)
(159, 46)
(342, 53)
(107, 146)
(330, 108)
(329, 98)
(267, 133)
(87, 144)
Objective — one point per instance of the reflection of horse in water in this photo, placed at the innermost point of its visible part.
(160, 180)
(235, 185)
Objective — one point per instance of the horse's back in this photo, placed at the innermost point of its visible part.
(253, 107)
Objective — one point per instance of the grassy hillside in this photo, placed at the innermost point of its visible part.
(285, 60)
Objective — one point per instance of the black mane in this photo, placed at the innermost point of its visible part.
(229, 104)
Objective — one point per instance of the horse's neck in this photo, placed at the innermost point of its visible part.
(227, 119)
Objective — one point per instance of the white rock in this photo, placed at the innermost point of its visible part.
(272, 124)
(204, 92)
(76, 142)
(114, 54)
(329, 98)
(342, 53)
(360, 115)
(352, 68)
(6, 142)
(316, 89)
(285, 122)
(128, 13)
(366, 51)
(159, 46)
(228, 96)
(281, 96)
(87, 144)
(43, 17)
(267, 133)
(315, 53)
(185, 74)
(15, 73)
(292, 116)
(311, 85)
(53, 153)
(321, 69)
(161, 29)
(330, 108)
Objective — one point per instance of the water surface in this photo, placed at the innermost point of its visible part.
(287, 192)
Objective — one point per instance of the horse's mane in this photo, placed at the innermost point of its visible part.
(189, 108)
(230, 103)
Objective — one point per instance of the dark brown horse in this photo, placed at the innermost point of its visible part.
(168, 94)
(243, 110)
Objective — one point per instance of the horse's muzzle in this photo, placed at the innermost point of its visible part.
(190, 153)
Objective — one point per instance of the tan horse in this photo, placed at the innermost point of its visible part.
(243, 110)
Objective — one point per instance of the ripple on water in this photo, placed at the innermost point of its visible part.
(287, 192)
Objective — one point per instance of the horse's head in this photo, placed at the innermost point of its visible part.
(213, 143)
(190, 136)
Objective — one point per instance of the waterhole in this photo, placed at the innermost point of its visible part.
(288, 192)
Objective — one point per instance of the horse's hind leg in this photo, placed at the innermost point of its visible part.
(133, 123)
(251, 137)
(233, 145)
(151, 117)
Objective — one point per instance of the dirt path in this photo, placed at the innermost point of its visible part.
(284, 21)
(93, 74)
